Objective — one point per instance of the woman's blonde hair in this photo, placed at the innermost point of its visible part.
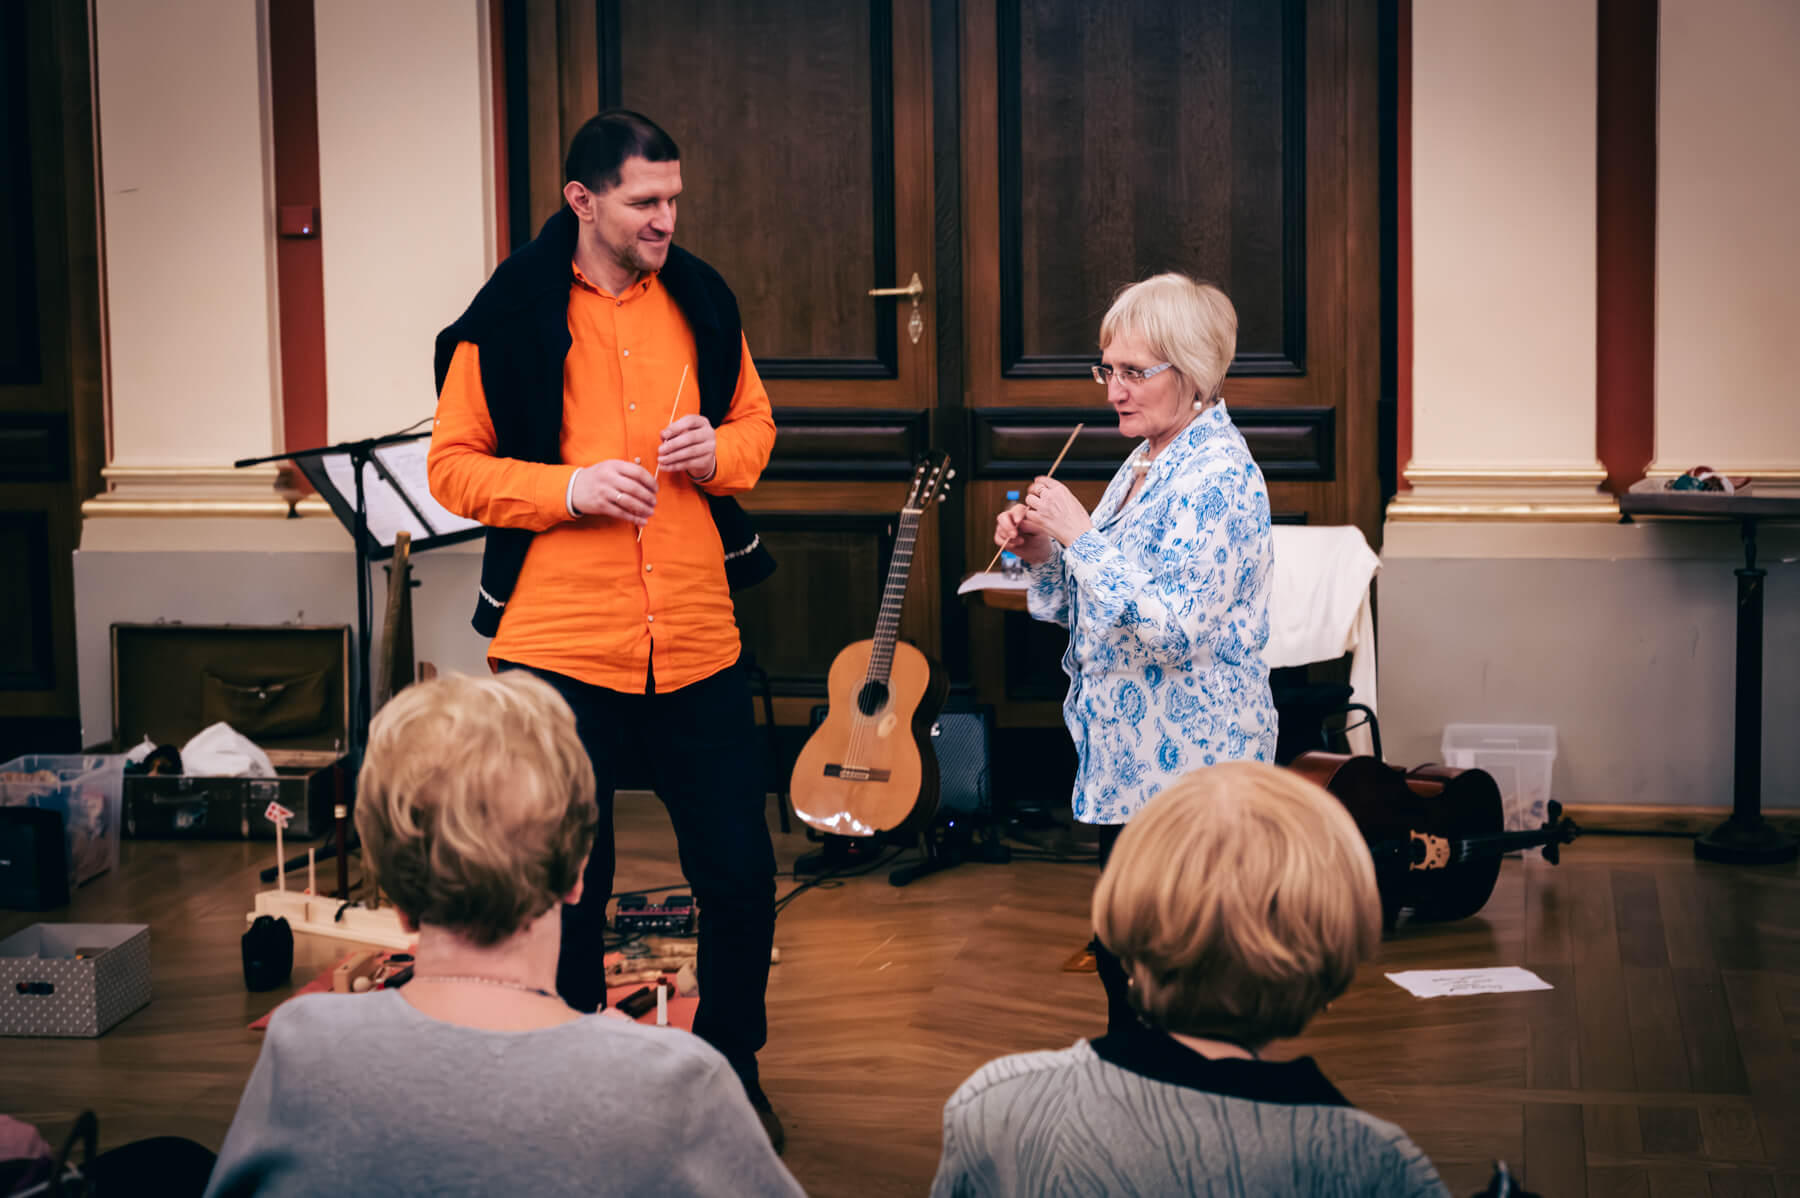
(1240, 901)
(476, 803)
(1184, 322)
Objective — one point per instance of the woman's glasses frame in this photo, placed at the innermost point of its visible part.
(1131, 376)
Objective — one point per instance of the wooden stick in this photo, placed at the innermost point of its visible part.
(280, 860)
(1052, 474)
(656, 473)
(312, 871)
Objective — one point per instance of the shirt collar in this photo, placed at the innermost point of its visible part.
(1160, 1057)
(632, 292)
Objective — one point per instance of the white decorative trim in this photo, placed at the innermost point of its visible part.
(755, 540)
(488, 597)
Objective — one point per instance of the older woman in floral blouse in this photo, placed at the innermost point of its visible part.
(1164, 587)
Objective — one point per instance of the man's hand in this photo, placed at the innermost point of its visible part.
(690, 445)
(1015, 532)
(1053, 508)
(621, 490)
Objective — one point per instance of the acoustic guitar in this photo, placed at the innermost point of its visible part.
(1436, 833)
(870, 768)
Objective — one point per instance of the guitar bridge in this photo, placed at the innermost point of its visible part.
(855, 773)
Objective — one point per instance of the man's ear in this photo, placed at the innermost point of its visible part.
(408, 924)
(579, 199)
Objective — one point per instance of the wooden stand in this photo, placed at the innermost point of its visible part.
(311, 913)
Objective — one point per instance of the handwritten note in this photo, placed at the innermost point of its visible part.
(1440, 983)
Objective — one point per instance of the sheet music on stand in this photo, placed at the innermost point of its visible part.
(397, 495)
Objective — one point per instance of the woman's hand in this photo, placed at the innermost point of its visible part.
(1053, 508)
(1012, 531)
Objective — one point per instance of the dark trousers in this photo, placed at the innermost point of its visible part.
(1120, 1015)
(707, 757)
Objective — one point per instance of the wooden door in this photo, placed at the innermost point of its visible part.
(51, 443)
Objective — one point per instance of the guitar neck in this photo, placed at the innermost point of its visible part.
(893, 597)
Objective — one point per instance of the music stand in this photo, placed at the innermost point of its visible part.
(389, 494)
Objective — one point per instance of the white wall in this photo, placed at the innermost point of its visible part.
(1621, 636)
(189, 239)
(1727, 238)
(407, 196)
(1503, 192)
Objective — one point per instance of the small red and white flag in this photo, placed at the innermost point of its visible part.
(278, 815)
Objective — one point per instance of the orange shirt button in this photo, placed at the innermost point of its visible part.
(648, 567)
(631, 407)
(638, 461)
(649, 619)
(627, 353)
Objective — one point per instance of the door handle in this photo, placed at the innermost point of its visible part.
(915, 324)
(915, 289)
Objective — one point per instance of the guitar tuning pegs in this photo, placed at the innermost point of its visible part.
(951, 473)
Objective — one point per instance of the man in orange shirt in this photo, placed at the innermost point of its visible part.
(597, 407)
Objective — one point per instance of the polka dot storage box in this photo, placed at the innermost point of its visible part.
(72, 979)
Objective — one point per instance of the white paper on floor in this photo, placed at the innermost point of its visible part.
(1436, 983)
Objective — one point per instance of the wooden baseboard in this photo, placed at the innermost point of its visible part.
(1667, 821)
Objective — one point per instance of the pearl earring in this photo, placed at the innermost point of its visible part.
(1199, 404)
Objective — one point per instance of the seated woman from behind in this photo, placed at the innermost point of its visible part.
(476, 811)
(1239, 901)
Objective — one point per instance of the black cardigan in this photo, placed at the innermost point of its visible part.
(519, 321)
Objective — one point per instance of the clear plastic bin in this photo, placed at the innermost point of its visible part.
(1519, 756)
(87, 789)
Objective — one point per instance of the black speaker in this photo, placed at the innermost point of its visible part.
(268, 953)
(962, 740)
(34, 869)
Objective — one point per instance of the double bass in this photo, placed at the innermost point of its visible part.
(1436, 833)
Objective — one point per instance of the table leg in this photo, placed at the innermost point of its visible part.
(1747, 838)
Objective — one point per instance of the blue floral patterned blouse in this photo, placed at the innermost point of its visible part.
(1167, 606)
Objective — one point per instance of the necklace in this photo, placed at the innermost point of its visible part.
(488, 982)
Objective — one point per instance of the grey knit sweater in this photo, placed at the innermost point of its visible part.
(363, 1094)
(1142, 1114)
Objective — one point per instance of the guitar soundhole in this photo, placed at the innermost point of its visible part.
(872, 697)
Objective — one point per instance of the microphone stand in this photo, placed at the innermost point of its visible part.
(361, 453)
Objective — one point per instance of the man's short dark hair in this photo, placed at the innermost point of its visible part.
(601, 147)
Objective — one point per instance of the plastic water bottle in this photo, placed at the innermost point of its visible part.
(1010, 565)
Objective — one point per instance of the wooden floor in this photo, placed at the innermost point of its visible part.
(1666, 1061)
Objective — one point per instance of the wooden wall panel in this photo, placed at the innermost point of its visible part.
(1138, 136)
(52, 429)
(790, 133)
(27, 603)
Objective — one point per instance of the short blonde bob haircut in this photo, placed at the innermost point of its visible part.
(1240, 901)
(476, 803)
(1189, 324)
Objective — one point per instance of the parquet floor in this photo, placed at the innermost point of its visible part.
(1665, 1062)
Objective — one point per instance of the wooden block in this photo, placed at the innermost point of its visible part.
(1728, 1132)
(356, 965)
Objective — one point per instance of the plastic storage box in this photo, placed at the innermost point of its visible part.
(1519, 756)
(88, 789)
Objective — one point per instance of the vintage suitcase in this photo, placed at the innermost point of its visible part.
(286, 687)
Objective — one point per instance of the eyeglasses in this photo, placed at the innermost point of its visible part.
(1129, 375)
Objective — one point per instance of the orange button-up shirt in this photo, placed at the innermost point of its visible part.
(592, 602)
